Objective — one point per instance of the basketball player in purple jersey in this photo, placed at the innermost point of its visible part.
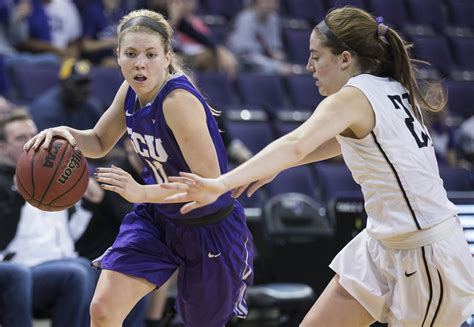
(172, 129)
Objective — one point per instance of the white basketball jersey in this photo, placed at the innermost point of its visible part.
(395, 164)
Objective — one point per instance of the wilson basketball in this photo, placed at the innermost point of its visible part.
(52, 179)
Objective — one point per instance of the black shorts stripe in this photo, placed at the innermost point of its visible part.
(440, 298)
(429, 283)
(412, 212)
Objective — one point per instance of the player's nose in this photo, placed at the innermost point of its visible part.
(139, 62)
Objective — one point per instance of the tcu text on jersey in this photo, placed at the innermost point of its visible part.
(152, 152)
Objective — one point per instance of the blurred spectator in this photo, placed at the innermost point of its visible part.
(14, 31)
(107, 209)
(237, 151)
(49, 274)
(97, 223)
(256, 39)
(99, 39)
(54, 27)
(70, 102)
(465, 143)
(442, 136)
(191, 32)
(5, 108)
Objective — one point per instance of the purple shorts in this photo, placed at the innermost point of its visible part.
(215, 262)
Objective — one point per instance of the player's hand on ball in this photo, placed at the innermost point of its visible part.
(117, 180)
(44, 138)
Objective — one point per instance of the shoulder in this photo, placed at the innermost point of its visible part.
(180, 100)
(348, 99)
(246, 16)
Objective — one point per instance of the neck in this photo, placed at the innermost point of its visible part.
(146, 98)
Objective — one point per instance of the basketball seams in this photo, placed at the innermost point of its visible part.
(53, 176)
(32, 170)
(71, 188)
(23, 191)
(52, 179)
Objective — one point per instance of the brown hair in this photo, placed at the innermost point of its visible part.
(385, 54)
(17, 114)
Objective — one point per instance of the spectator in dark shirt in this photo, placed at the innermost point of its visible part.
(69, 103)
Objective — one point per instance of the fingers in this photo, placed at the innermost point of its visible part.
(183, 180)
(45, 137)
(254, 187)
(188, 207)
(237, 192)
(191, 176)
(47, 140)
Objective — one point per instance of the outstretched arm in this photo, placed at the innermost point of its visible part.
(347, 109)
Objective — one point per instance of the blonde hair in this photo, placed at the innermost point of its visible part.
(380, 50)
(160, 27)
(148, 21)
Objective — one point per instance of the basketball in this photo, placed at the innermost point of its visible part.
(52, 179)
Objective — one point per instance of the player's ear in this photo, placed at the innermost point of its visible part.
(117, 54)
(347, 58)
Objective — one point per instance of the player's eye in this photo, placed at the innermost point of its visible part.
(151, 55)
(130, 54)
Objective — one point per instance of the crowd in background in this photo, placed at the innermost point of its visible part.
(76, 36)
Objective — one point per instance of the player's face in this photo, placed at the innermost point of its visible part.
(326, 67)
(17, 133)
(144, 62)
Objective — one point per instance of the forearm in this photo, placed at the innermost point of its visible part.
(327, 150)
(156, 194)
(91, 45)
(33, 45)
(88, 142)
(279, 155)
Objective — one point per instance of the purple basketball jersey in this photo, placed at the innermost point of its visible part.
(157, 147)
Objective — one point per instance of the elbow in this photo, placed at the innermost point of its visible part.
(298, 149)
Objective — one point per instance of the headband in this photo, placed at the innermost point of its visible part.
(324, 28)
(147, 22)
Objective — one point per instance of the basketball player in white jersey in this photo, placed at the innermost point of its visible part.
(411, 266)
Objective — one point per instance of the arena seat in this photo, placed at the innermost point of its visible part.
(460, 97)
(463, 48)
(460, 13)
(297, 179)
(302, 92)
(296, 44)
(427, 12)
(434, 49)
(261, 90)
(217, 89)
(29, 81)
(394, 12)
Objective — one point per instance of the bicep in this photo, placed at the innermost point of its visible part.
(186, 117)
(335, 114)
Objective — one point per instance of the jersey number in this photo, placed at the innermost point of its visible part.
(397, 102)
(158, 171)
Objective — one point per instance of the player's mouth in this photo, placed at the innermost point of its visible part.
(139, 78)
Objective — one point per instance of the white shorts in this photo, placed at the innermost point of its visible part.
(431, 285)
